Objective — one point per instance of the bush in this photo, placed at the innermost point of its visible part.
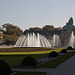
(63, 51)
(29, 61)
(4, 68)
(53, 54)
(69, 48)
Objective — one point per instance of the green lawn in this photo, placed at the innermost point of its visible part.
(30, 73)
(16, 59)
(13, 60)
(54, 63)
(57, 61)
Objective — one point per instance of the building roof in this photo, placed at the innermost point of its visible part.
(69, 25)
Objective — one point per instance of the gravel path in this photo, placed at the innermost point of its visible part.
(66, 68)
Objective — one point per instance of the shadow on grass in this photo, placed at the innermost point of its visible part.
(53, 63)
(30, 73)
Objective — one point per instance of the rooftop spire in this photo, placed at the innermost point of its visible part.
(70, 21)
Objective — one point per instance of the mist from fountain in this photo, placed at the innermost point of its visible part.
(56, 40)
(32, 40)
(72, 40)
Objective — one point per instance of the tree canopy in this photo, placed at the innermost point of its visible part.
(11, 33)
(10, 29)
(35, 29)
(48, 27)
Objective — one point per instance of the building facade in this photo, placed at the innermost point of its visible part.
(66, 32)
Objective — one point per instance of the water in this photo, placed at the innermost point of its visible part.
(32, 40)
(56, 40)
(72, 40)
(37, 40)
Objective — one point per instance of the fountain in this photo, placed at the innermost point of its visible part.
(37, 40)
(56, 40)
(32, 40)
(72, 40)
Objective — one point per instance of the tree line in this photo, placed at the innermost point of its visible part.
(10, 33)
(46, 27)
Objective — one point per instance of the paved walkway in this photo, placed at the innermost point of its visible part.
(66, 68)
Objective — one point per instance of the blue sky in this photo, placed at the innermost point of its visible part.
(36, 13)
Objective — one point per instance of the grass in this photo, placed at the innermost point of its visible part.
(13, 60)
(54, 63)
(30, 52)
(25, 49)
(16, 59)
(22, 53)
(57, 61)
(30, 73)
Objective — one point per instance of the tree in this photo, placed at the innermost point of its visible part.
(59, 28)
(10, 39)
(1, 37)
(11, 33)
(48, 27)
(10, 29)
(35, 29)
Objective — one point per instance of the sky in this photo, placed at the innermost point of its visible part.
(36, 13)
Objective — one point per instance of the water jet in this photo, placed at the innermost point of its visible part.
(32, 40)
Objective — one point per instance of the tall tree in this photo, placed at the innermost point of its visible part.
(11, 33)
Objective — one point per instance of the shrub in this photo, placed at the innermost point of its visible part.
(69, 48)
(4, 68)
(53, 54)
(29, 61)
(63, 51)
